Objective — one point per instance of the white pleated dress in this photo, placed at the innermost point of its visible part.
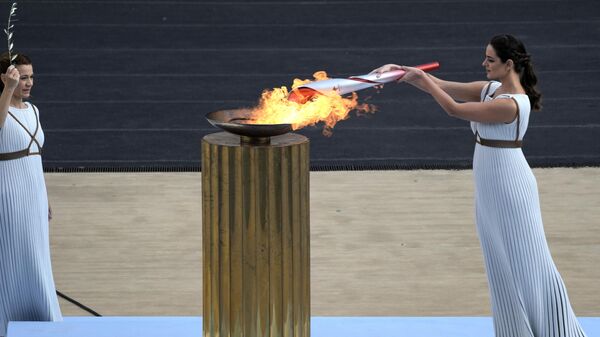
(527, 293)
(27, 290)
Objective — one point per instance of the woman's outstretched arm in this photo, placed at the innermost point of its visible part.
(465, 92)
(459, 91)
(495, 111)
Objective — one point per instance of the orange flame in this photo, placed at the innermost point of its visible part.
(330, 108)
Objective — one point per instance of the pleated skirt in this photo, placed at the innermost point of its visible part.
(27, 290)
(528, 295)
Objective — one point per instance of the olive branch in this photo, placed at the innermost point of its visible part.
(9, 32)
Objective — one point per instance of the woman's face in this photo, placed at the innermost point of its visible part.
(23, 90)
(494, 67)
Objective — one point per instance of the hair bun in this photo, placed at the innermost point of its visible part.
(522, 58)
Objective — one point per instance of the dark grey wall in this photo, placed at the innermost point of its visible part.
(127, 83)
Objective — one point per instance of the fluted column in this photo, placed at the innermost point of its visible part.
(255, 227)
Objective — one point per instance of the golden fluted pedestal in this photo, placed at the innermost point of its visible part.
(256, 236)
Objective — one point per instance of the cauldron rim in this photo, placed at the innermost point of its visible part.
(224, 119)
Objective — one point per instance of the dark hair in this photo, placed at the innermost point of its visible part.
(5, 63)
(508, 47)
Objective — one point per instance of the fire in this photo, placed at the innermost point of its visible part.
(275, 108)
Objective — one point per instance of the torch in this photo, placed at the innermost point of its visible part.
(344, 86)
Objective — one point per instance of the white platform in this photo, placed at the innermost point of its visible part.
(321, 327)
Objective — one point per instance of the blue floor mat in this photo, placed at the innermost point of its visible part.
(320, 327)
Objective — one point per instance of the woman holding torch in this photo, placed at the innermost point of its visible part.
(528, 295)
(27, 291)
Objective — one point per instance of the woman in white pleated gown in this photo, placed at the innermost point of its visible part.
(27, 291)
(528, 295)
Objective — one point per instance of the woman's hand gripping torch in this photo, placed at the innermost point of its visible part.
(344, 86)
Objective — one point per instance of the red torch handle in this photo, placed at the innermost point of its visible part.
(395, 75)
(429, 66)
